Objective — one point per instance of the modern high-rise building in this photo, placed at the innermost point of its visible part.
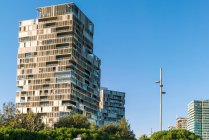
(112, 106)
(181, 123)
(198, 118)
(58, 72)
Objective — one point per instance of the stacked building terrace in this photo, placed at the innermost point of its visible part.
(58, 72)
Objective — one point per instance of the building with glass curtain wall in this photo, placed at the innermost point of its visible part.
(198, 118)
(58, 72)
(112, 106)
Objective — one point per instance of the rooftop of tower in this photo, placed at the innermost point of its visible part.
(51, 12)
(60, 9)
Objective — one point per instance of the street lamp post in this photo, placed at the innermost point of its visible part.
(161, 100)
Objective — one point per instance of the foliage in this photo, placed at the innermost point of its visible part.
(121, 130)
(30, 127)
(70, 133)
(30, 121)
(93, 126)
(125, 130)
(175, 134)
(8, 133)
(144, 137)
(7, 116)
(110, 128)
(73, 121)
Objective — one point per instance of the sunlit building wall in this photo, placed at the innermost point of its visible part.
(112, 106)
(58, 72)
(198, 118)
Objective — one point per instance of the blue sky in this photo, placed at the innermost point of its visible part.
(134, 39)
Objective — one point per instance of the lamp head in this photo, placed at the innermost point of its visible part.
(163, 92)
(157, 82)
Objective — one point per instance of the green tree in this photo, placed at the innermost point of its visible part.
(70, 133)
(30, 121)
(9, 133)
(125, 130)
(122, 130)
(144, 137)
(73, 121)
(110, 128)
(7, 115)
(93, 126)
(175, 134)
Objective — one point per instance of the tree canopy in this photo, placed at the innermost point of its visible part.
(15, 125)
(73, 121)
(175, 135)
(110, 129)
(123, 130)
(7, 114)
(144, 137)
(29, 121)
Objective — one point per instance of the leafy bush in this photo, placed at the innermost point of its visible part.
(175, 134)
(30, 127)
(70, 133)
(7, 133)
(73, 121)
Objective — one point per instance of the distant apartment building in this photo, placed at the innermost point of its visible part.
(112, 106)
(181, 123)
(58, 72)
(198, 118)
